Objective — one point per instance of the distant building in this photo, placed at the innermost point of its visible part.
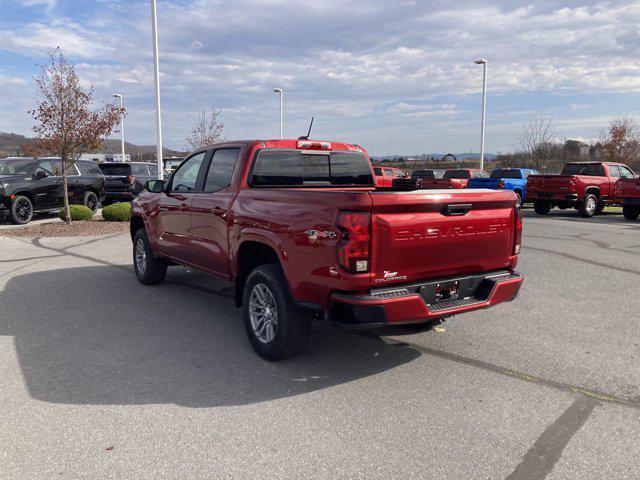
(106, 157)
(585, 151)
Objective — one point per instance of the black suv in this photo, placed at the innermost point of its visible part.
(126, 180)
(34, 185)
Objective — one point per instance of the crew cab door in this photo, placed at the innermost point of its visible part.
(173, 223)
(210, 214)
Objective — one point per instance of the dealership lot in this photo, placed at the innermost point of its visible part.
(101, 377)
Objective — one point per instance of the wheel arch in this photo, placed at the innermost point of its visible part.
(251, 254)
(593, 190)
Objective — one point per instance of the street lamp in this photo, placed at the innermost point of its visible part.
(483, 62)
(281, 92)
(156, 75)
(119, 96)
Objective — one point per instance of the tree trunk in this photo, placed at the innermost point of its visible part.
(65, 194)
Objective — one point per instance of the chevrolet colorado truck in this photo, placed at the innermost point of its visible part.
(506, 178)
(298, 227)
(453, 178)
(628, 191)
(586, 186)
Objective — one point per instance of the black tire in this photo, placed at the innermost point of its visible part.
(152, 269)
(21, 210)
(542, 207)
(600, 208)
(589, 206)
(91, 201)
(519, 199)
(288, 335)
(631, 212)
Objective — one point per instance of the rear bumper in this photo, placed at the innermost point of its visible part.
(119, 195)
(412, 303)
(631, 201)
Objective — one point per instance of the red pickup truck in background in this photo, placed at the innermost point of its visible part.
(300, 230)
(384, 176)
(628, 191)
(453, 178)
(586, 186)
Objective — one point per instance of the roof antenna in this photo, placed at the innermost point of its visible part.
(309, 132)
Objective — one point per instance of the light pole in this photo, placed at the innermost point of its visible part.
(281, 93)
(483, 62)
(119, 96)
(156, 75)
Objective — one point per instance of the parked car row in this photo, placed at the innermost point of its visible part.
(586, 186)
(29, 185)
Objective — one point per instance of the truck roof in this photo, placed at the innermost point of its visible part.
(298, 144)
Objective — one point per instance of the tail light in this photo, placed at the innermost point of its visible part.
(354, 248)
(131, 180)
(518, 227)
(501, 183)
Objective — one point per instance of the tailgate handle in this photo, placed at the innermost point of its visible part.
(457, 209)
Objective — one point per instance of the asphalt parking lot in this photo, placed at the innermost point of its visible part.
(101, 377)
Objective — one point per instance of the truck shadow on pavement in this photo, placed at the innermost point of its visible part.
(94, 335)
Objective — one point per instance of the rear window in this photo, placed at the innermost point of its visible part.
(457, 174)
(377, 171)
(115, 169)
(499, 173)
(422, 174)
(590, 169)
(137, 169)
(294, 168)
(89, 168)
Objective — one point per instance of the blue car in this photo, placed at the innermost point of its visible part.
(506, 178)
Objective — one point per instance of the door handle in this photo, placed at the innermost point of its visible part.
(217, 211)
(457, 209)
(183, 208)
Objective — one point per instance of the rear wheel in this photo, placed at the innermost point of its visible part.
(542, 207)
(91, 201)
(518, 199)
(631, 212)
(275, 327)
(149, 268)
(589, 206)
(21, 210)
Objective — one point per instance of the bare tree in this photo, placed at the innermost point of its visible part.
(535, 140)
(207, 131)
(66, 123)
(620, 141)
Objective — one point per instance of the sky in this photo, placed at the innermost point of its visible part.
(393, 76)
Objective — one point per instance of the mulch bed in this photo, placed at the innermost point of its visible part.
(75, 229)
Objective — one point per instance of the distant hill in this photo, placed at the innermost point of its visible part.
(10, 145)
(438, 156)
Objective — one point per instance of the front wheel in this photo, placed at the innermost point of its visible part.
(518, 199)
(21, 210)
(275, 327)
(149, 268)
(542, 207)
(589, 206)
(631, 212)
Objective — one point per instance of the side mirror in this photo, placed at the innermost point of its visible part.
(155, 186)
(39, 175)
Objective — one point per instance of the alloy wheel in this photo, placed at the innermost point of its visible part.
(263, 313)
(24, 210)
(141, 257)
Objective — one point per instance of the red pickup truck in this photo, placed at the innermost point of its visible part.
(300, 230)
(586, 186)
(628, 191)
(454, 178)
(384, 176)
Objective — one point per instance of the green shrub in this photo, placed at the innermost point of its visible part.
(77, 212)
(117, 212)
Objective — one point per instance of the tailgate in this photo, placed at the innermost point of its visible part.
(491, 183)
(423, 235)
(432, 183)
(550, 183)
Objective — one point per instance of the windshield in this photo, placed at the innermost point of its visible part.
(591, 169)
(295, 168)
(18, 166)
(506, 173)
(457, 174)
